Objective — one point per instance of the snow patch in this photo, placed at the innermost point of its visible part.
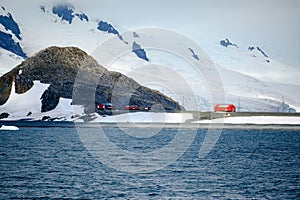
(256, 120)
(146, 117)
(19, 105)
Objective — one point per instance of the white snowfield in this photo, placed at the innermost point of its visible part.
(146, 117)
(283, 120)
(151, 117)
(28, 105)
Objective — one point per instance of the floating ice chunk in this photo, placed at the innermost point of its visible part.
(9, 128)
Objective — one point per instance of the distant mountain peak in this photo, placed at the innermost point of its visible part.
(259, 51)
(226, 43)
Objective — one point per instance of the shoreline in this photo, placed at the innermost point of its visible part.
(196, 120)
(217, 126)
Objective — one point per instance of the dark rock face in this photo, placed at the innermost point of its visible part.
(4, 115)
(23, 84)
(82, 16)
(45, 118)
(226, 43)
(66, 12)
(252, 48)
(6, 42)
(43, 9)
(262, 52)
(135, 35)
(6, 82)
(136, 48)
(6, 39)
(10, 24)
(49, 99)
(106, 27)
(73, 74)
(193, 54)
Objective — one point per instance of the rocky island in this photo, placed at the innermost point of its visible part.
(73, 74)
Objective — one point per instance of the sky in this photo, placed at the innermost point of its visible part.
(271, 24)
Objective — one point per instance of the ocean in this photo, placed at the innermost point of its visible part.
(57, 162)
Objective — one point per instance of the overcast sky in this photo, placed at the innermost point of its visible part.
(271, 24)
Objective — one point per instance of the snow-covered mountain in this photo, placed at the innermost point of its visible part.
(49, 24)
(252, 79)
(178, 78)
(253, 61)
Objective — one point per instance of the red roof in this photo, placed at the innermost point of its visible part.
(225, 108)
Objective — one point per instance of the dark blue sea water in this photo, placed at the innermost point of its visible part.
(244, 164)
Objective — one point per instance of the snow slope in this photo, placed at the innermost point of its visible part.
(28, 105)
(146, 117)
(175, 76)
(254, 64)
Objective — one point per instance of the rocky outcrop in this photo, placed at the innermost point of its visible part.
(73, 74)
(106, 27)
(251, 48)
(193, 53)
(258, 52)
(22, 84)
(66, 12)
(226, 43)
(139, 52)
(6, 83)
(285, 108)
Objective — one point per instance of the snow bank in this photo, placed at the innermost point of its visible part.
(256, 120)
(28, 105)
(146, 117)
(20, 105)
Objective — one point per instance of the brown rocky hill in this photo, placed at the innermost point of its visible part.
(73, 74)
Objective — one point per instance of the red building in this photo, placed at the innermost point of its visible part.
(225, 108)
(131, 107)
(105, 106)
